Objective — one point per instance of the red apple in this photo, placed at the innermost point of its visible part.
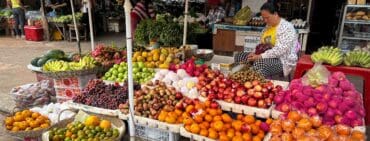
(222, 85)
(228, 99)
(255, 82)
(232, 94)
(211, 92)
(244, 99)
(188, 101)
(221, 90)
(232, 90)
(213, 83)
(211, 96)
(179, 95)
(214, 105)
(264, 90)
(245, 128)
(240, 92)
(257, 88)
(220, 96)
(237, 100)
(215, 89)
(235, 85)
(180, 105)
(252, 102)
(257, 95)
(250, 92)
(248, 85)
(268, 102)
(261, 103)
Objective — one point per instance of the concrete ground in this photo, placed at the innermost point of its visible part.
(15, 55)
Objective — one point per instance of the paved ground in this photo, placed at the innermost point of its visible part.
(16, 54)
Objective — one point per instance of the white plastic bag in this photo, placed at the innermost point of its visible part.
(316, 76)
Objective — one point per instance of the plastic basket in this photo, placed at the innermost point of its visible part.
(34, 33)
(153, 134)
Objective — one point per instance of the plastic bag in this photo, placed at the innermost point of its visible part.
(316, 76)
(30, 95)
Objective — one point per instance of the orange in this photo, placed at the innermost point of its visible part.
(357, 135)
(68, 133)
(34, 124)
(342, 129)
(212, 134)
(9, 121)
(172, 114)
(28, 129)
(269, 121)
(239, 117)
(298, 132)
(9, 127)
(294, 116)
(227, 125)
(105, 124)
(35, 115)
(45, 125)
(170, 119)
(261, 134)
(230, 133)
(198, 119)
(219, 111)
(18, 118)
(15, 129)
(221, 133)
(218, 125)
(217, 118)
(305, 124)
(238, 133)
(249, 119)
(212, 112)
(18, 113)
(187, 127)
(185, 115)
(247, 137)
(223, 138)
(255, 129)
(92, 120)
(237, 125)
(180, 120)
(188, 121)
(208, 118)
(22, 126)
(194, 128)
(27, 113)
(203, 132)
(162, 116)
(204, 125)
(226, 118)
(237, 138)
(258, 122)
(256, 138)
(178, 112)
(207, 103)
(189, 108)
(199, 106)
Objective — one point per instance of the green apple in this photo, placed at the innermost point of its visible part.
(134, 65)
(115, 66)
(121, 69)
(107, 74)
(114, 72)
(141, 64)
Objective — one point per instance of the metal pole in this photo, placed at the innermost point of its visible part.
(91, 25)
(185, 22)
(128, 8)
(76, 28)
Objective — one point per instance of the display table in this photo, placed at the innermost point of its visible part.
(230, 38)
(305, 63)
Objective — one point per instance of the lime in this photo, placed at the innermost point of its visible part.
(115, 133)
(67, 139)
(109, 133)
(98, 129)
(61, 136)
(81, 133)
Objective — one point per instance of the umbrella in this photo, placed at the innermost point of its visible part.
(128, 8)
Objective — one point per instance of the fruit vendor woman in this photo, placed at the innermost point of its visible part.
(282, 37)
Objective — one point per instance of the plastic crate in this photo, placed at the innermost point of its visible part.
(34, 33)
(74, 82)
(154, 134)
(67, 92)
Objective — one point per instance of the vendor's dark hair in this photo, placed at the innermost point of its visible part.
(270, 7)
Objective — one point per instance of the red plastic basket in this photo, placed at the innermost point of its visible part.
(34, 33)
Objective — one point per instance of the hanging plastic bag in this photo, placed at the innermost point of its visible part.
(316, 76)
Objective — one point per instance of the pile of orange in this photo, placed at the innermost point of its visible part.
(26, 120)
(172, 117)
(300, 127)
(200, 118)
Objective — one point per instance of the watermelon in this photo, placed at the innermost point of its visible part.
(34, 61)
(55, 53)
(42, 61)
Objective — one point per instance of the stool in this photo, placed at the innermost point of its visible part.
(80, 27)
(305, 63)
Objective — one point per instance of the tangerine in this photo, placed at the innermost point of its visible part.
(249, 119)
(208, 118)
(212, 134)
(194, 128)
(219, 111)
(255, 129)
(217, 118)
(204, 125)
(19, 118)
(180, 120)
(223, 138)
(342, 130)
(238, 133)
(226, 118)
(189, 108)
(203, 132)
(297, 132)
(187, 127)
(198, 119)
(9, 121)
(105, 124)
(286, 137)
(92, 120)
(256, 138)
(27, 113)
(261, 134)
(230, 133)
(178, 112)
(237, 125)
(227, 126)
(212, 112)
(188, 121)
(185, 115)
(258, 122)
(15, 129)
(294, 116)
(247, 137)
(239, 117)
(269, 121)
(35, 115)
(357, 136)
(218, 125)
(170, 119)
(305, 124)
(207, 104)
(162, 116)
(237, 138)
(172, 114)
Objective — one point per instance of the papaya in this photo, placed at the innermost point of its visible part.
(42, 61)
(34, 61)
(55, 53)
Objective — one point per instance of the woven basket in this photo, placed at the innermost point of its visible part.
(63, 123)
(24, 134)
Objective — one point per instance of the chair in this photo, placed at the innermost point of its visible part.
(72, 31)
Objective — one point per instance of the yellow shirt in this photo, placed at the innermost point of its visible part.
(16, 3)
(269, 36)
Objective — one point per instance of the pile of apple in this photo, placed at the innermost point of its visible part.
(214, 85)
(190, 67)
